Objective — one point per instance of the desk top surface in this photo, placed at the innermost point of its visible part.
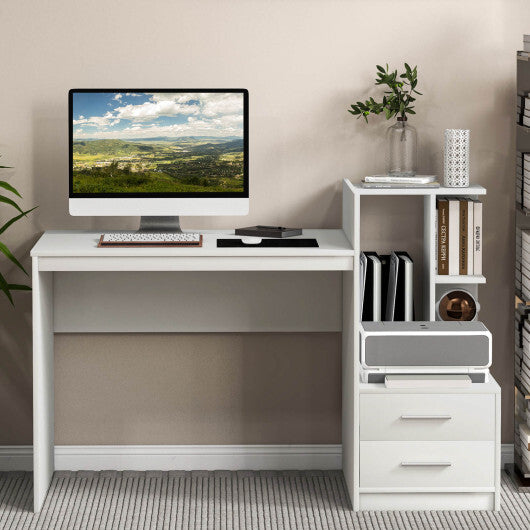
(83, 243)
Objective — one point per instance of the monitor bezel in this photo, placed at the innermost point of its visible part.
(188, 195)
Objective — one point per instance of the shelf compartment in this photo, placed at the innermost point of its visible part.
(460, 279)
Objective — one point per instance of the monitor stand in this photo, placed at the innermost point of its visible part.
(160, 224)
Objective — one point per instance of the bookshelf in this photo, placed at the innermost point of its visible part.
(521, 305)
(434, 286)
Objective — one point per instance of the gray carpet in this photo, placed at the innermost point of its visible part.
(224, 500)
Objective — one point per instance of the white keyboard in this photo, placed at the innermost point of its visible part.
(169, 239)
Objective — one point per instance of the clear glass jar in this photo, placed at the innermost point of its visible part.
(402, 149)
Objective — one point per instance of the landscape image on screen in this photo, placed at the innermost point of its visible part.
(159, 142)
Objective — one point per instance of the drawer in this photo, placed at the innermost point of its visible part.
(427, 417)
(427, 465)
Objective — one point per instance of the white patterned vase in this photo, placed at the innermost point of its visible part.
(456, 158)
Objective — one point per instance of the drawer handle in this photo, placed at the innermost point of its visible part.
(429, 464)
(426, 417)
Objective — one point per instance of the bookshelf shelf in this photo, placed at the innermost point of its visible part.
(523, 129)
(522, 58)
(442, 190)
(461, 279)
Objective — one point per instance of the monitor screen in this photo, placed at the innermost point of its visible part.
(158, 143)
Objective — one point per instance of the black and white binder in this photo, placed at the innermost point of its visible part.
(400, 297)
(371, 304)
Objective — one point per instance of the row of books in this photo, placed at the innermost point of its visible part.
(522, 435)
(522, 350)
(387, 291)
(522, 263)
(459, 236)
(523, 109)
(522, 179)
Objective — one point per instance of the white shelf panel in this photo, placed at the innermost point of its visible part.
(470, 190)
(442, 278)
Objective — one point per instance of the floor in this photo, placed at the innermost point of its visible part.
(224, 500)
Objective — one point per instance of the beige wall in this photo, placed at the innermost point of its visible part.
(303, 61)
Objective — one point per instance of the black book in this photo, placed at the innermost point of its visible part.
(371, 306)
(400, 302)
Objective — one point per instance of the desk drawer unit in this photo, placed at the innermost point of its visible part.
(427, 417)
(410, 465)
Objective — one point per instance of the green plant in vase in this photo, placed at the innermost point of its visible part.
(6, 199)
(398, 101)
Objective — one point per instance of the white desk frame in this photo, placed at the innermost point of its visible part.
(60, 256)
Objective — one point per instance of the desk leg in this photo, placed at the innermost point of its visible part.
(43, 398)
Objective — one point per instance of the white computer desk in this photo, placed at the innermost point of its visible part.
(78, 287)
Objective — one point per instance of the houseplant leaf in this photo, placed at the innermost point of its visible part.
(12, 258)
(14, 219)
(4, 287)
(5, 185)
(12, 203)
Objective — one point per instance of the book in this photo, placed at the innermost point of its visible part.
(385, 271)
(477, 237)
(453, 239)
(371, 306)
(427, 381)
(470, 241)
(400, 298)
(397, 179)
(442, 206)
(377, 185)
(463, 237)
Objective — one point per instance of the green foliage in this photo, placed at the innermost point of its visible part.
(397, 100)
(158, 166)
(5, 286)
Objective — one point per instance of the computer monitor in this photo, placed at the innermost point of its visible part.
(158, 153)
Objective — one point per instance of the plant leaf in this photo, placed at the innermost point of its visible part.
(4, 287)
(18, 287)
(5, 185)
(12, 203)
(16, 218)
(12, 258)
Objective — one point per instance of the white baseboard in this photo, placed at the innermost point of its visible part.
(181, 457)
(187, 457)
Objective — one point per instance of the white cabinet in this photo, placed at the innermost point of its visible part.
(440, 447)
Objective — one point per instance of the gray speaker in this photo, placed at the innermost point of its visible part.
(439, 346)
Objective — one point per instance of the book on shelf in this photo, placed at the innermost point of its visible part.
(371, 305)
(454, 236)
(477, 237)
(442, 210)
(395, 185)
(458, 236)
(400, 179)
(387, 286)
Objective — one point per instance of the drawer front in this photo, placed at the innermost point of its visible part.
(427, 417)
(427, 464)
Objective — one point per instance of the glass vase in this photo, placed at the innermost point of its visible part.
(402, 149)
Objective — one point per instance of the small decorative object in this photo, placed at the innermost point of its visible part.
(402, 138)
(6, 287)
(457, 305)
(456, 158)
